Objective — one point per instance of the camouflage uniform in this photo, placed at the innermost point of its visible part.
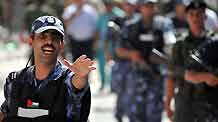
(142, 90)
(121, 71)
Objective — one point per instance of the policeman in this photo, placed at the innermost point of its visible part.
(122, 66)
(48, 91)
(143, 82)
(178, 86)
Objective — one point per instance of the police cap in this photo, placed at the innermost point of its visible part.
(196, 5)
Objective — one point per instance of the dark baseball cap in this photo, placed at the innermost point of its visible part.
(196, 5)
(44, 23)
(180, 2)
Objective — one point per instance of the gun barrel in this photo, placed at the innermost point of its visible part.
(199, 61)
(159, 56)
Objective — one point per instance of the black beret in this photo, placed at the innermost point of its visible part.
(196, 5)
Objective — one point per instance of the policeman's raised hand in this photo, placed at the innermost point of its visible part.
(81, 67)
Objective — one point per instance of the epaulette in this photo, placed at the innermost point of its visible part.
(13, 75)
(17, 74)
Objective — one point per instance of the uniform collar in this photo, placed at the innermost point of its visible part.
(56, 72)
(53, 75)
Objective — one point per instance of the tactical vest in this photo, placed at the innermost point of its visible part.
(204, 100)
(51, 96)
(185, 47)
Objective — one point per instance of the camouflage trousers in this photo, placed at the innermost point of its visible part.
(120, 75)
(140, 97)
(146, 104)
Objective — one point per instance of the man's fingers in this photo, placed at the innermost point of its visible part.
(81, 66)
(82, 57)
(67, 63)
(92, 68)
(88, 62)
(85, 60)
(92, 62)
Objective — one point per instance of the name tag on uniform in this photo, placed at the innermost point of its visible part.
(31, 113)
(146, 37)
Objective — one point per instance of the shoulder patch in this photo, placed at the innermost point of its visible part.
(13, 75)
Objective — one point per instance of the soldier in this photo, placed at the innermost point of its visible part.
(202, 73)
(177, 85)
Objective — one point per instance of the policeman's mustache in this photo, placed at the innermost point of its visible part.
(48, 46)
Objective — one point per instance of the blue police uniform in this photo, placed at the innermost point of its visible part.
(120, 70)
(72, 101)
(143, 91)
